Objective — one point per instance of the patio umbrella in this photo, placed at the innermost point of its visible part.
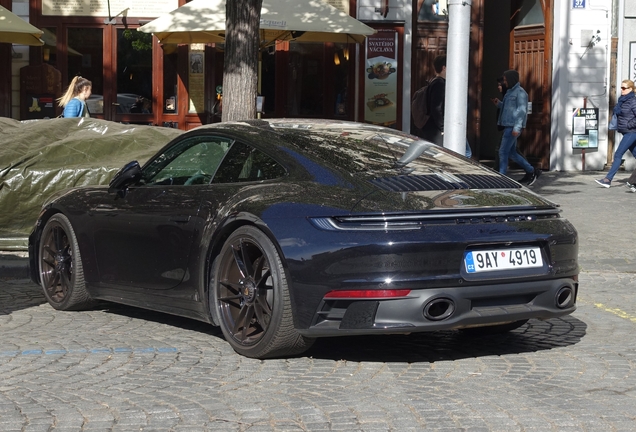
(14, 29)
(203, 21)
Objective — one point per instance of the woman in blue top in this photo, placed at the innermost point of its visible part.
(74, 99)
(625, 111)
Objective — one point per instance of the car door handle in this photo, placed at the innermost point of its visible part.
(180, 219)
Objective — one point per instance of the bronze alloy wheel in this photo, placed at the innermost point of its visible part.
(61, 274)
(251, 297)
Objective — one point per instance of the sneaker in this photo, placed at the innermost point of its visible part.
(534, 176)
(604, 182)
(630, 186)
(526, 178)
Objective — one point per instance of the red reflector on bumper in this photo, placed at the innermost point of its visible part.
(355, 294)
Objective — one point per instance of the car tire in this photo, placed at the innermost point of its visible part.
(250, 297)
(60, 266)
(494, 329)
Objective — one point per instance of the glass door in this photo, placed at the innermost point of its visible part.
(131, 98)
(134, 80)
(84, 58)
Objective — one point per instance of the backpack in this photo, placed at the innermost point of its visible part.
(419, 106)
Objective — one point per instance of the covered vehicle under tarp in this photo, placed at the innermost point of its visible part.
(39, 157)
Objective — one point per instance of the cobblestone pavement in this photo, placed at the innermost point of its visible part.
(117, 368)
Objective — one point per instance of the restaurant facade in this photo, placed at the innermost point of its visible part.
(138, 80)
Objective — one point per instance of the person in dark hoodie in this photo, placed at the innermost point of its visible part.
(513, 112)
(501, 87)
(433, 129)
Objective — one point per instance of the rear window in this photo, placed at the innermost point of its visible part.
(364, 149)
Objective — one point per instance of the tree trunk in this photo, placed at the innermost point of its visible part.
(242, 42)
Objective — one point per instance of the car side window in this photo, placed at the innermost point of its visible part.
(189, 162)
(244, 163)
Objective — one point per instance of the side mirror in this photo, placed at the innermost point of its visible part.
(129, 174)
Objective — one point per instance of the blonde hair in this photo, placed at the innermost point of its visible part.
(628, 83)
(77, 85)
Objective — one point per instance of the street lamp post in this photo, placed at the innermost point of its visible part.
(456, 111)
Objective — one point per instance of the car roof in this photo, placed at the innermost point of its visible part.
(350, 147)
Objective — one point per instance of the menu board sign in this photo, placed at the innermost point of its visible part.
(381, 75)
(585, 128)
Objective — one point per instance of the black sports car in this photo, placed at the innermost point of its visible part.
(283, 231)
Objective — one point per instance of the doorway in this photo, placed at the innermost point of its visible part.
(517, 35)
(505, 34)
(530, 55)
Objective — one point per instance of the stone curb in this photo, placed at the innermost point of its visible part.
(14, 265)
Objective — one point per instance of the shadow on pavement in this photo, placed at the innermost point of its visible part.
(18, 295)
(559, 183)
(427, 347)
(554, 183)
(161, 318)
(451, 345)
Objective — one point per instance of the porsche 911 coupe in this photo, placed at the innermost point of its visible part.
(282, 231)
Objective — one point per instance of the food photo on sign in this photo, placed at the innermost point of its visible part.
(380, 88)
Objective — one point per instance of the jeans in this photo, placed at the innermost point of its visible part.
(469, 151)
(508, 150)
(627, 143)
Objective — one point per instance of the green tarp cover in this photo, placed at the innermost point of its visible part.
(39, 157)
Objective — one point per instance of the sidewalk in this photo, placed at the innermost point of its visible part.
(603, 218)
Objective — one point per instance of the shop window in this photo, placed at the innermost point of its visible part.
(49, 50)
(305, 84)
(529, 13)
(433, 10)
(196, 78)
(85, 59)
(268, 80)
(341, 79)
(170, 79)
(134, 72)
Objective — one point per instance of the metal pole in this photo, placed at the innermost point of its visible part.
(456, 111)
(583, 150)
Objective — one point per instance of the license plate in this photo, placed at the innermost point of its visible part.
(502, 259)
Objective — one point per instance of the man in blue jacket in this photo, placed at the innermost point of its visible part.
(513, 111)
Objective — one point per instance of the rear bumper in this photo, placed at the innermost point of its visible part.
(446, 309)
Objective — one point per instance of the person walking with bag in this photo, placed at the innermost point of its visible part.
(433, 129)
(625, 111)
(74, 99)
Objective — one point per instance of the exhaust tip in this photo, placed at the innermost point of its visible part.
(439, 309)
(565, 297)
